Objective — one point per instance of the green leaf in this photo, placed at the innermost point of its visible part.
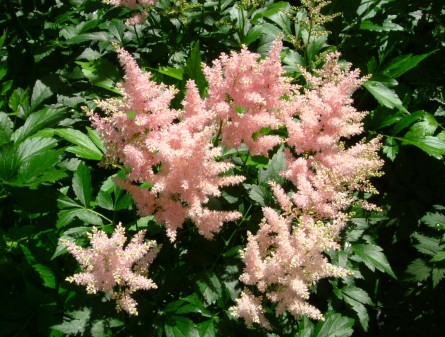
(86, 147)
(76, 323)
(427, 245)
(335, 325)
(210, 288)
(424, 128)
(178, 326)
(66, 216)
(101, 73)
(372, 256)
(18, 98)
(37, 121)
(206, 329)
(384, 95)
(272, 173)
(82, 184)
(434, 220)
(256, 193)
(193, 69)
(5, 128)
(407, 121)
(390, 148)
(433, 146)
(95, 36)
(403, 63)
(437, 276)
(419, 270)
(40, 93)
(47, 275)
(356, 298)
(172, 72)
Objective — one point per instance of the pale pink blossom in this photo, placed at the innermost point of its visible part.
(107, 264)
(173, 165)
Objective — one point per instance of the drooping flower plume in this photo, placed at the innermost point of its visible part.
(108, 264)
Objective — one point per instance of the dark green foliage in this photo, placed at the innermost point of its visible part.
(57, 57)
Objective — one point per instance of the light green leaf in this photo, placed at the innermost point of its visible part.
(66, 216)
(407, 121)
(75, 324)
(172, 72)
(434, 220)
(82, 184)
(101, 73)
(361, 311)
(275, 166)
(256, 193)
(372, 256)
(384, 95)
(85, 148)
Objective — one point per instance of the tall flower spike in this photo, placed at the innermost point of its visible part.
(107, 264)
(246, 95)
(173, 164)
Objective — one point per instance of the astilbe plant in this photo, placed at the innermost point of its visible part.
(109, 267)
(137, 18)
(173, 164)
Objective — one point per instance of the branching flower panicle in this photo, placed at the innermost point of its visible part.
(110, 267)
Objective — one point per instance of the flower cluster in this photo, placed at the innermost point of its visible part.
(286, 256)
(174, 167)
(108, 264)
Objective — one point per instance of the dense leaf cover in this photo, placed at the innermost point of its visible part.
(63, 190)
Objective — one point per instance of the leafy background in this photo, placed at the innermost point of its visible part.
(57, 57)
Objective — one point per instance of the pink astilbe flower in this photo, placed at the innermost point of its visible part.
(173, 165)
(282, 260)
(246, 95)
(287, 254)
(108, 264)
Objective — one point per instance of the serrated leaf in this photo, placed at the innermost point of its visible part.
(361, 311)
(419, 270)
(206, 329)
(434, 220)
(76, 323)
(357, 294)
(335, 325)
(40, 93)
(101, 73)
(178, 326)
(305, 327)
(210, 288)
(256, 193)
(426, 245)
(384, 95)
(38, 120)
(66, 216)
(407, 121)
(433, 146)
(85, 148)
(5, 128)
(82, 184)
(390, 148)
(372, 256)
(272, 173)
(437, 275)
(403, 63)
(47, 275)
(426, 127)
(172, 72)
(440, 256)
(18, 98)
